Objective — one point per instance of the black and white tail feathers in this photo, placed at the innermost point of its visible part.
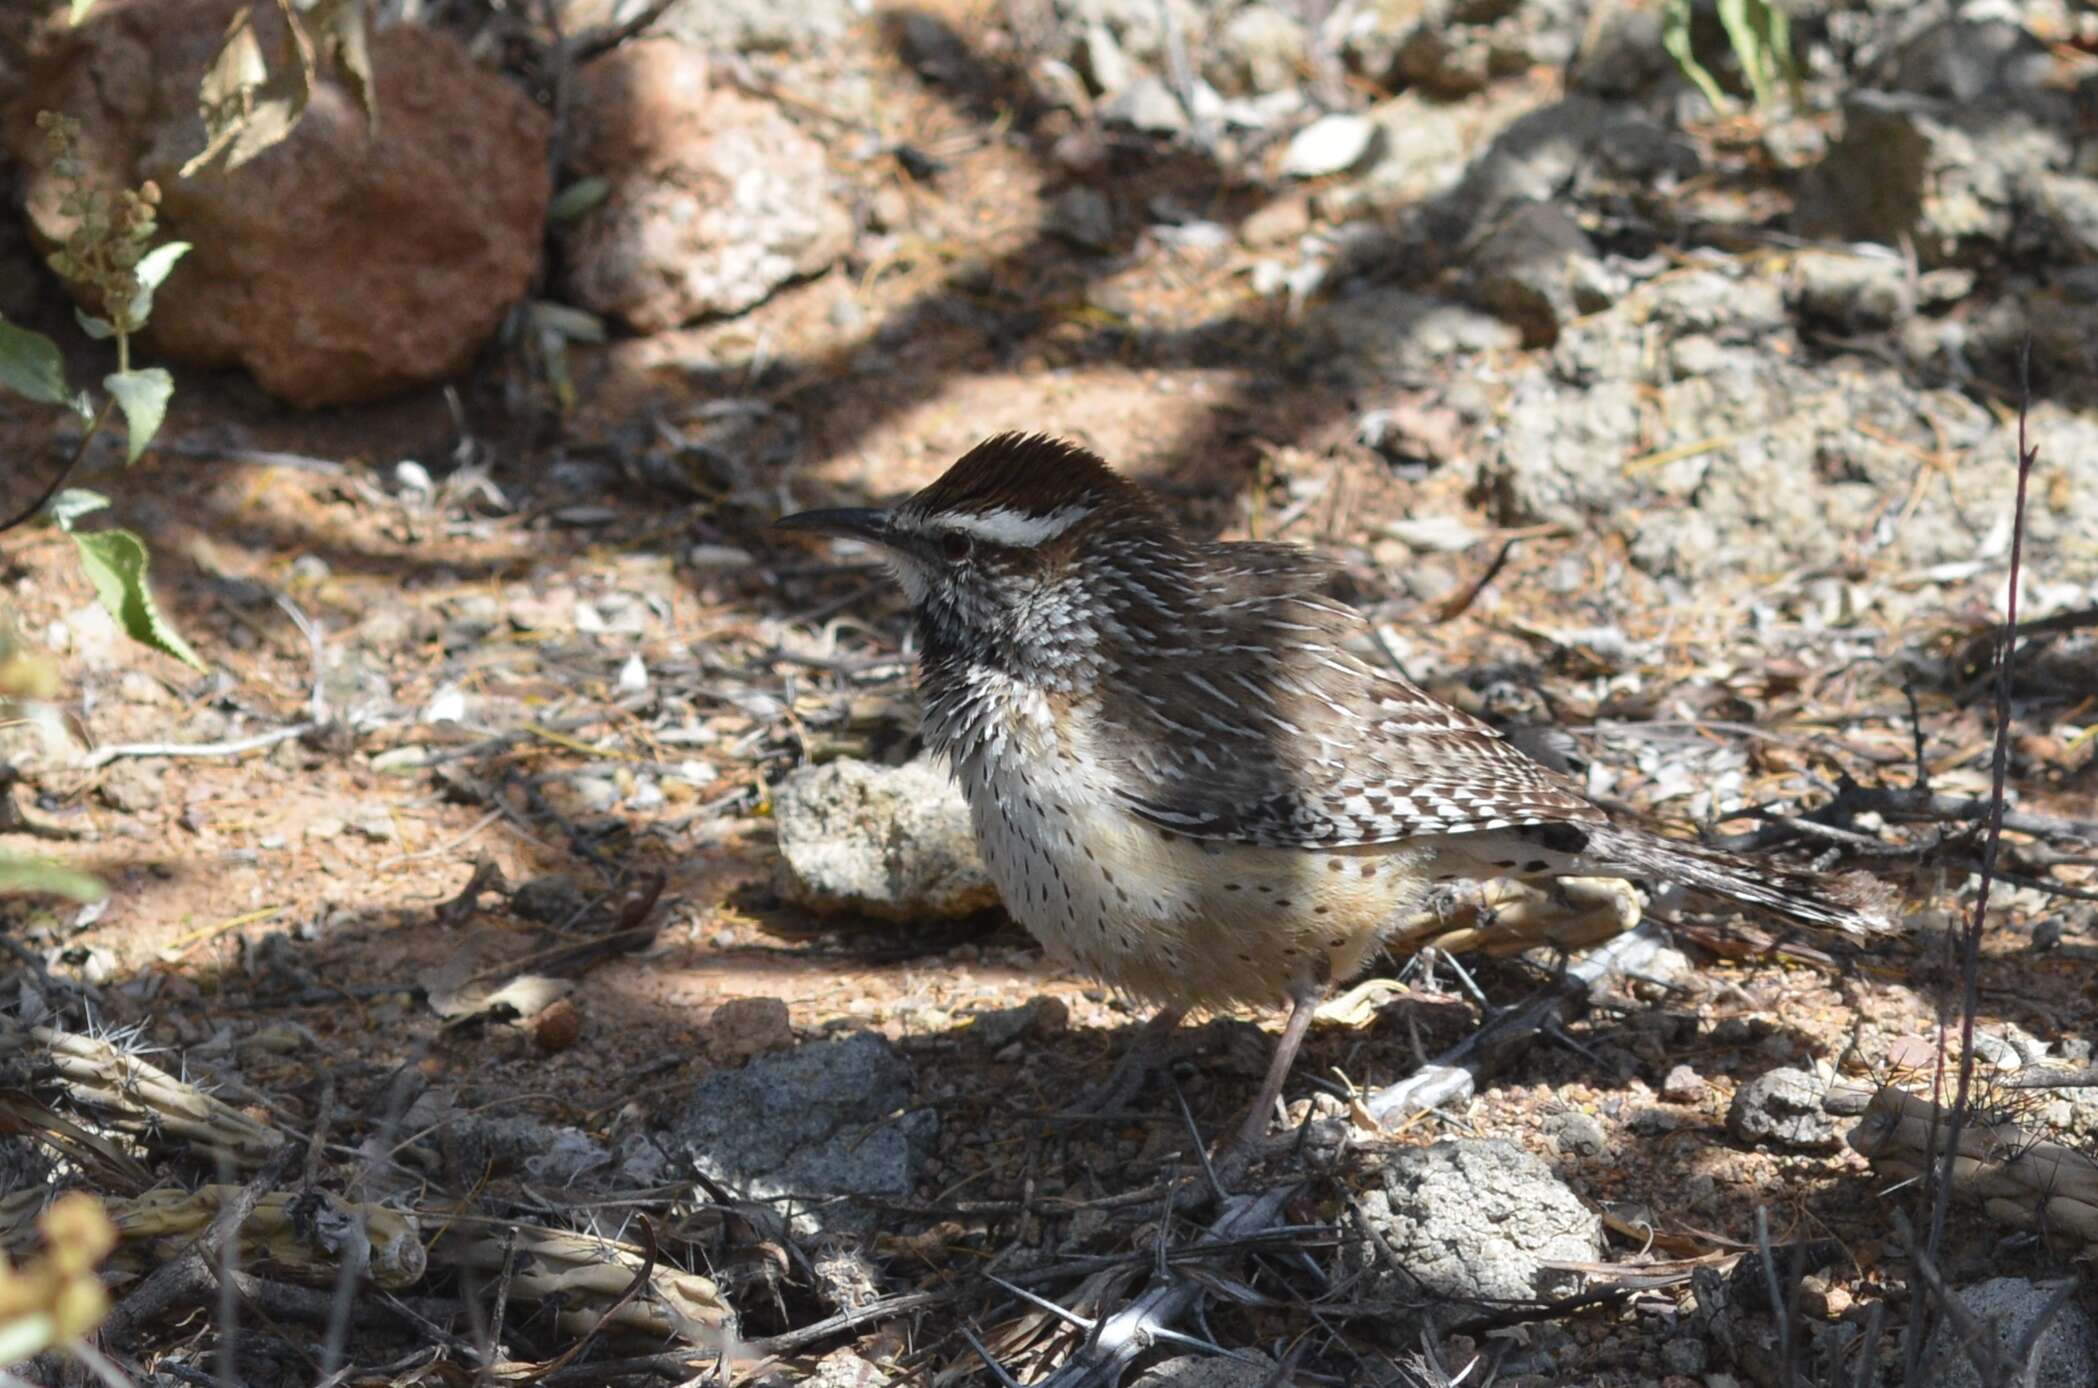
(1851, 904)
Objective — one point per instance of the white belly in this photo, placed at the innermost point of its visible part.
(1163, 916)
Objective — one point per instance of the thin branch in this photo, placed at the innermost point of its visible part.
(101, 418)
(1970, 944)
(103, 756)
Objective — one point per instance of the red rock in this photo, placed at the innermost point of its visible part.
(716, 198)
(334, 267)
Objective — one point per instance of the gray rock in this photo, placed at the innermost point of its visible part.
(1684, 1355)
(1535, 158)
(1538, 270)
(131, 788)
(716, 200)
(1460, 48)
(550, 899)
(1372, 32)
(1137, 27)
(1145, 105)
(1330, 145)
(1578, 1134)
(891, 842)
(1472, 1220)
(1209, 1371)
(1102, 61)
(1782, 1107)
(1970, 60)
(761, 25)
(819, 1120)
(1851, 293)
(931, 47)
(1684, 1086)
(1084, 217)
(2068, 1350)
(1381, 330)
(2066, 207)
(557, 1156)
(1259, 49)
(1761, 493)
(1447, 64)
(1948, 176)
(1625, 58)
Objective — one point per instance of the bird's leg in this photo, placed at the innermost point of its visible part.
(1302, 1005)
(1148, 1052)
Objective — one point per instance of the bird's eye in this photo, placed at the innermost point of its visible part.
(955, 546)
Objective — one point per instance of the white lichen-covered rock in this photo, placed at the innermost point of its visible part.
(887, 841)
(1472, 1220)
(714, 199)
(2067, 1348)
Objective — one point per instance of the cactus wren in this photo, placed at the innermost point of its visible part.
(1184, 781)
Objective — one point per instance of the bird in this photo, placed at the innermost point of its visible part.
(1186, 782)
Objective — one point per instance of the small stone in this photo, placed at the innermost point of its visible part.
(1084, 217)
(1208, 1371)
(1472, 1220)
(1330, 145)
(891, 842)
(1260, 49)
(1823, 1298)
(1578, 1134)
(325, 828)
(1944, 287)
(1684, 1086)
(138, 687)
(745, 1027)
(1538, 270)
(1649, 1121)
(558, 1027)
(1683, 1354)
(130, 788)
(1102, 60)
(1146, 105)
(372, 824)
(596, 793)
(1277, 223)
(1782, 1107)
(1852, 293)
(550, 900)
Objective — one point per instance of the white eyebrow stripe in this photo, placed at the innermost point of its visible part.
(1005, 526)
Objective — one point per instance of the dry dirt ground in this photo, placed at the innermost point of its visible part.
(580, 660)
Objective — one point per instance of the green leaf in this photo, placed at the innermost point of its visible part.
(30, 365)
(100, 329)
(73, 503)
(152, 268)
(579, 197)
(25, 875)
(573, 324)
(1675, 41)
(143, 397)
(115, 561)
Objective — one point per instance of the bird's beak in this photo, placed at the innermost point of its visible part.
(849, 522)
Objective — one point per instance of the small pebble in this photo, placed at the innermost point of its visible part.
(1683, 1086)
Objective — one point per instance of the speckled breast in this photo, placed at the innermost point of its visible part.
(1159, 915)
